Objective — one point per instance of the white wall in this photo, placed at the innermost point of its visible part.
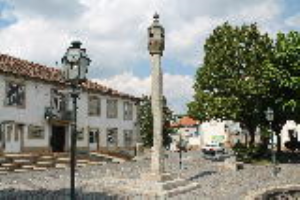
(289, 125)
(38, 97)
(187, 131)
(103, 123)
(211, 129)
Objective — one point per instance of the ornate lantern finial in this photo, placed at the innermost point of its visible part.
(156, 34)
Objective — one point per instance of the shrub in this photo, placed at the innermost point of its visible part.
(292, 145)
(248, 154)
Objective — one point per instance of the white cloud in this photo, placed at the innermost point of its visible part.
(261, 12)
(114, 32)
(128, 83)
(34, 40)
(177, 88)
(50, 10)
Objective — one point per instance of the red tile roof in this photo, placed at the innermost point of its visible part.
(27, 69)
(185, 121)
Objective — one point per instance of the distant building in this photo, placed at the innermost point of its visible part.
(216, 131)
(35, 112)
(290, 131)
(188, 129)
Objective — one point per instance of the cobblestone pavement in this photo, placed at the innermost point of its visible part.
(103, 182)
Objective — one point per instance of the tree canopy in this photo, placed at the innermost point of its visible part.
(231, 84)
(285, 79)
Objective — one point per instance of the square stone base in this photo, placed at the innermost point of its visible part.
(163, 185)
(156, 177)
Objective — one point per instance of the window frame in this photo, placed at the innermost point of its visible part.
(17, 82)
(31, 136)
(128, 110)
(115, 137)
(127, 133)
(80, 134)
(90, 104)
(112, 112)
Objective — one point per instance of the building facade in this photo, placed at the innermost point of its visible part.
(220, 132)
(35, 112)
(188, 129)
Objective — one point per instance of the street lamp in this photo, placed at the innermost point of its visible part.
(74, 63)
(270, 118)
(180, 150)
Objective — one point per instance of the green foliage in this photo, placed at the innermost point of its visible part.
(243, 73)
(232, 82)
(251, 153)
(145, 119)
(284, 88)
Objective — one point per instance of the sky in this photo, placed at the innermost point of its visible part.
(114, 32)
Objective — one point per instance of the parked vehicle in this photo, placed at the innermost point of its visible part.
(214, 152)
(213, 148)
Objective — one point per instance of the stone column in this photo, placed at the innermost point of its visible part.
(156, 48)
(157, 164)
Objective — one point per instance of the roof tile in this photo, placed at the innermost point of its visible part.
(24, 68)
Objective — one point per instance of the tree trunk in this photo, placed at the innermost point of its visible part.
(278, 142)
(277, 129)
(252, 135)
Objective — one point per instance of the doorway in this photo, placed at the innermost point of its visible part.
(94, 139)
(58, 138)
(12, 137)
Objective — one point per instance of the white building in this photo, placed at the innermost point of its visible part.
(188, 129)
(216, 131)
(35, 112)
(289, 130)
(213, 132)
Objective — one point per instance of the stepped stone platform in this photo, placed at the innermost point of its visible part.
(22, 162)
(151, 188)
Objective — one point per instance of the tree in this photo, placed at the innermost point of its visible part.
(285, 84)
(145, 119)
(233, 81)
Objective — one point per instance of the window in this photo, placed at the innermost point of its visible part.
(94, 106)
(112, 137)
(128, 138)
(15, 94)
(58, 100)
(35, 132)
(128, 110)
(1, 131)
(9, 132)
(80, 134)
(112, 108)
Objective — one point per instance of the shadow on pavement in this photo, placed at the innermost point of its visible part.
(288, 157)
(63, 194)
(202, 174)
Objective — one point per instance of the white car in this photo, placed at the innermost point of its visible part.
(213, 148)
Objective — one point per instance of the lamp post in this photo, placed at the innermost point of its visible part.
(74, 63)
(270, 118)
(180, 150)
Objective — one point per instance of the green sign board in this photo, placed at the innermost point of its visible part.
(218, 138)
